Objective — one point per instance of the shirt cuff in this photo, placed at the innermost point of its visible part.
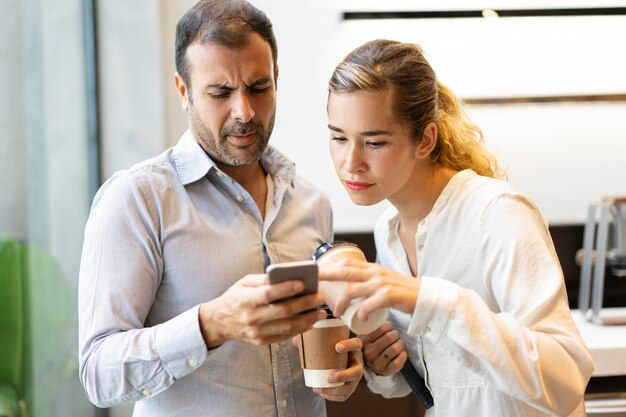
(434, 309)
(387, 386)
(180, 345)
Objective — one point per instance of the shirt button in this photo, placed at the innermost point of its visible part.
(276, 347)
(146, 392)
(426, 329)
(420, 247)
(283, 403)
(192, 362)
(220, 174)
(423, 222)
(239, 197)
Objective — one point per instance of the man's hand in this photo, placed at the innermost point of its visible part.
(251, 311)
(351, 375)
(384, 350)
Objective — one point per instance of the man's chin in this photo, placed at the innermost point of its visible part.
(240, 160)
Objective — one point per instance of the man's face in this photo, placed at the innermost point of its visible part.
(232, 101)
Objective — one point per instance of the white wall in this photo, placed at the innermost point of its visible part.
(44, 190)
(562, 155)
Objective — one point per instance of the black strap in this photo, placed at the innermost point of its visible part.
(417, 384)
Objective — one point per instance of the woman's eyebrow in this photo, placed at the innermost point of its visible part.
(364, 133)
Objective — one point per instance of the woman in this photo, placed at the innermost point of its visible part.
(466, 261)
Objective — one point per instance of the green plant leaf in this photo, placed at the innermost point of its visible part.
(8, 401)
(12, 323)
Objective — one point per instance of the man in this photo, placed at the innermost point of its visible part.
(175, 311)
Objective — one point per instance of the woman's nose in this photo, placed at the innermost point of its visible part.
(354, 161)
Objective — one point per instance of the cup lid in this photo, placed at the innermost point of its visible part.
(325, 247)
(327, 309)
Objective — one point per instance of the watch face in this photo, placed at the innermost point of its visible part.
(325, 247)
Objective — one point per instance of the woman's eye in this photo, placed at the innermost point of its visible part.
(376, 145)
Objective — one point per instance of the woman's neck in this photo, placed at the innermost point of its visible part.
(418, 199)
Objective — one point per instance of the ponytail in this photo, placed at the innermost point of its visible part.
(460, 143)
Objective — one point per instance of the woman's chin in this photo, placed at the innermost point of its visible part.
(361, 200)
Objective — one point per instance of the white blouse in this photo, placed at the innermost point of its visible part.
(491, 331)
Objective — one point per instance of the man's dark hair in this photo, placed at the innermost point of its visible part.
(226, 22)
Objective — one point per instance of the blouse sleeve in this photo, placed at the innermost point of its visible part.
(391, 386)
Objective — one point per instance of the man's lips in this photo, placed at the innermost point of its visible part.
(357, 186)
(242, 140)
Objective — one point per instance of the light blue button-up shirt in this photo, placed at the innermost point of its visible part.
(162, 238)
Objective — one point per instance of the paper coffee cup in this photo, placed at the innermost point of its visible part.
(328, 255)
(318, 356)
(358, 326)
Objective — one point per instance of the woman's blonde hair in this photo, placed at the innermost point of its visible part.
(418, 99)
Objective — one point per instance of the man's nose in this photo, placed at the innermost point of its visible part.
(242, 108)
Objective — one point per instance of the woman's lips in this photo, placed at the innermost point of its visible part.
(242, 140)
(357, 186)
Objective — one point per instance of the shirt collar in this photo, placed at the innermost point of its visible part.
(192, 162)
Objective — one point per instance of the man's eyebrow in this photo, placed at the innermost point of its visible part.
(263, 80)
(364, 133)
(219, 86)
(225, 86)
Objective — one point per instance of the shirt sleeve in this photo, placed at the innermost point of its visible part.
(530, 348)
(121, 360)
(391, 386)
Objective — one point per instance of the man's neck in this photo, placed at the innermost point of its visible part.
(252, 178)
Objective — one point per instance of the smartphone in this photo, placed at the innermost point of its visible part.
(305, 271)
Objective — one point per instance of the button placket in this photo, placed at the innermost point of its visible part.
(420, 237)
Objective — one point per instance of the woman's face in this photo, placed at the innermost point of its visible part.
(373, 156)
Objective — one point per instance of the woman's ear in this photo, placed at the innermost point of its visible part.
(429, 141)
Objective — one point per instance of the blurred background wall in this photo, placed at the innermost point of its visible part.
(44, 191)
(548, 88)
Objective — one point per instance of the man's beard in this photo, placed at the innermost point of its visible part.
(222, 151)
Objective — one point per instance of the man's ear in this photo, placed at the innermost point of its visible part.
(429, 141)
(183, 93)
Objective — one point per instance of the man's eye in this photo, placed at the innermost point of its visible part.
(338, 139)
(221, 94)
(259, 90)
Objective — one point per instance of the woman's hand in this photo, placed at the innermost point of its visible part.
(380, 286)
(351, 375)
(383, 350)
